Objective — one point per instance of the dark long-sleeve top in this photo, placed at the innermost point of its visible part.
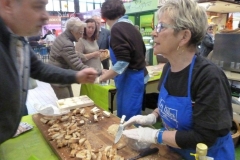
(13, 87)
(211, 97)
(206, 45)
(128, 45)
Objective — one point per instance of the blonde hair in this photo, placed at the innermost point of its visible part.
(74, 24)
(187, 14)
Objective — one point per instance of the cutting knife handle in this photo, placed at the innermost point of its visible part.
(145, 152)
(122, 119)
(148, 151)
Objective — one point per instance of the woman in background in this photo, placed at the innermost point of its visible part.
(63, 54)
(87, 45)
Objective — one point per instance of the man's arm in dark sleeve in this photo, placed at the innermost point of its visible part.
(49, 73)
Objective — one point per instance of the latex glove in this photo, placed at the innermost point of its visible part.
(142, 134)
(143, 120)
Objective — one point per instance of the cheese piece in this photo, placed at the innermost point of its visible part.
(60, 102)
(106, 114)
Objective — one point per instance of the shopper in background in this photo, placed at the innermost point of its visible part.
(44, 37)
(50, 38)
(54, 32)
(207, 42)
(103, 39)
(87, 45)
(63, 54)
(193, 110)
(18, 62)
(127, 53)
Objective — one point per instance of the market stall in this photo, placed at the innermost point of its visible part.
(38, 143)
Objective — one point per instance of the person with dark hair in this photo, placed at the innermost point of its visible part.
(18, 62)
(103, 41)
(54, 32)
(207, 42)
(127, 53)
(48, 32)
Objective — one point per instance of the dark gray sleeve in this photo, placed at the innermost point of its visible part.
(207, 41)
(49, 73)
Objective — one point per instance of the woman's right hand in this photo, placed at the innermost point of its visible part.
(96, 54)
(140, 119)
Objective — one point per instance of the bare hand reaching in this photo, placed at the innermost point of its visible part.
(87, 75)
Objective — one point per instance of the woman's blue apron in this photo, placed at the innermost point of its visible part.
(176, 114)
(130, 89)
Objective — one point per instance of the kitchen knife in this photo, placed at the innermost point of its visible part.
(145, 152)
(120, 130)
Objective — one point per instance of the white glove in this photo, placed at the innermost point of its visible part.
(143, 120)
(142, 134)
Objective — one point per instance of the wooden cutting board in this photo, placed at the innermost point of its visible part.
(98, 136)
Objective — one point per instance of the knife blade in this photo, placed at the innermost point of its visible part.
(120, 130)
(145, 152)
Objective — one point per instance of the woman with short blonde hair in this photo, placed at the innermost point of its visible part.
(192, 108)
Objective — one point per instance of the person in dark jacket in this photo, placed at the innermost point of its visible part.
(207, 42)
(20, 18)
(127, 53)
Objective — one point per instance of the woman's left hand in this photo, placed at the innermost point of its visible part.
(142, 134)
(104, 71)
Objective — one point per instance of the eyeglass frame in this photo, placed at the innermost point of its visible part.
(81, 33)
(161, 26)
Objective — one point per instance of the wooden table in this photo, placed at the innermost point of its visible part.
(35, 144)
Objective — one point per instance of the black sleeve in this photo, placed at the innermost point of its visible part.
(189, 139)
(212, 110)
(120, 45)
(44, 36)
(207, 41)
(49, 73)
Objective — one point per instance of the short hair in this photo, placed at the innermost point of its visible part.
(74, 24)
(112, 9)
(186, 14)
(210, 27)
(49, 32)
(95, 34)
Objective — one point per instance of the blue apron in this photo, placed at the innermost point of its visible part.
(176, 114)
(130, 89)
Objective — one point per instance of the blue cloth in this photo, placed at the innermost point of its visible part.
(130, 89)
(176, 114)
(120, 67)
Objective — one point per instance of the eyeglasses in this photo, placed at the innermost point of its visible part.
(81, 33)
(161, 26)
